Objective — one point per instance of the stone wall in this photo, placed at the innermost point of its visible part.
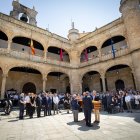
(16, 80)
(123, 74)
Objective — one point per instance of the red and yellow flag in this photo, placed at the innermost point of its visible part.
(32, 47)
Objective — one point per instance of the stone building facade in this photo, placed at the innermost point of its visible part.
(104, 59)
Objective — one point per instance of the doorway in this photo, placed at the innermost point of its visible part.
(29, 87)
(119, 84)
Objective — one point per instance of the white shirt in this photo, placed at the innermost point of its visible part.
(55, 99)
(127, 98)
(27, 99)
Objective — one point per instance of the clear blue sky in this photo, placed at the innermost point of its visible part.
(87, 14)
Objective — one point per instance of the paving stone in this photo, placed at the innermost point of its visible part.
(122, 126)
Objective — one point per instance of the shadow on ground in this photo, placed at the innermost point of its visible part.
(83, 127)
(13, 120)
(135, 115)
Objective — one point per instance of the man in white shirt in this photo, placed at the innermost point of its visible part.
(55, 103)
(128, 102)
(27, 100)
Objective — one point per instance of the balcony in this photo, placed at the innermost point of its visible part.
(117, 54)
(24, 52)
(120, 49)
(3, 44)
(58, 63)
(106, 54)
(90, 61)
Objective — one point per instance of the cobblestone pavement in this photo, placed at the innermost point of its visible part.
(121, 126)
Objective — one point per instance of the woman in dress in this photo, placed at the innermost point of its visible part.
(32, 105)
(67, 102)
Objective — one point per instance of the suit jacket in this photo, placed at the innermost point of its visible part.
(38, 102)
(44, 101)
(87, 103)
(49, 101)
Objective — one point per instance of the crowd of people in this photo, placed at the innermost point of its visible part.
(114, 102)
(46, 101)
(51, 104)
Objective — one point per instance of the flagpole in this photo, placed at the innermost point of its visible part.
(30, 44)
(113, 50)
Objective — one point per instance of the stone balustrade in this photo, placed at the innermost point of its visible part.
(3, 44)
(25, 55)
(90, 62)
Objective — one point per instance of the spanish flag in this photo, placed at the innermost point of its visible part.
(32, 47)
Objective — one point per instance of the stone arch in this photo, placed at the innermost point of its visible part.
(119, 72)
(5, 31)
(27, 41)
(119, 84)
(113, 37)
(1, 71)
(3, 40)
(58, 70)
(86, 46)
(91, 51)
(59, 44)
(29, 74)
(1, 68)
(117, 63)
(109, 37)
(56, 50)
(91, 81)
(5, 37)
(31, 34)
(88, 70)
(29, 87)
(25, 65)
(57, 80)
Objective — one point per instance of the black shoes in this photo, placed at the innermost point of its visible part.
(96, 121)
(89, 125)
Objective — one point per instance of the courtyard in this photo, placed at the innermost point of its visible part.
(121, 126)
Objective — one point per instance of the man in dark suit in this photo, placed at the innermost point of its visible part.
(87, 106)
(49, 104)
(21, 106)
(38, 105)
(44, 104)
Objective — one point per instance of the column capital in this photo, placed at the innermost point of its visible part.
(102, 75)
(9, 40)
(9, 45)
(132, 70)
(4, 75)
(44, 78)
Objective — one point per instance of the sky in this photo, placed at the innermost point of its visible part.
(57, 15)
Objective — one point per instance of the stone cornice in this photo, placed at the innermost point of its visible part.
(32, 27)
(101, 30)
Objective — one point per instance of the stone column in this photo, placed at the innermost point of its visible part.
(74, 58)
(76, 88)
(45, 55)
(100, 55)
(44, 83)
(9, 45)
(4, 76)
(135, 81)
(75, 82)
(103, 82)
